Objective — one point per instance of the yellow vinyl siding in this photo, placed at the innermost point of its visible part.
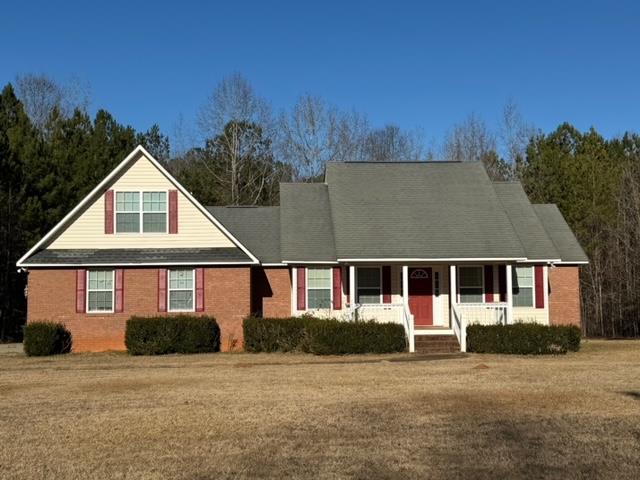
(194, 229)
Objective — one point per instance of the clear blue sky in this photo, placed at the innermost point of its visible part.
(410, 63)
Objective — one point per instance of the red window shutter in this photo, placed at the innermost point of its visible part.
(119, 291)
(386, 284)
(337, 288)
(539, 280)
(108, 212)
(502, 282)
(488, 283)
(81, 290)
(347, 287)
(302, 288)
(199, 289)
(173, 211)
(162, 289)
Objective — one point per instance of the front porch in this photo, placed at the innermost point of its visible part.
(430, 299)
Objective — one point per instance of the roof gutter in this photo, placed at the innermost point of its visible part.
(130, 264)
(495, 259)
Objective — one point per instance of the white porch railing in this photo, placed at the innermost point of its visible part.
(484, 313)
(383, 312)
(409, 327)
(387, 312)
(459, 327)
(476, 313)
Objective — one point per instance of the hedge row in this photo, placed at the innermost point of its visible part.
(322, 337)
(46, 338)
(172, 334)
(523, 339)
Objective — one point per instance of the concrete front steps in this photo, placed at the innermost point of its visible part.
(437, 344)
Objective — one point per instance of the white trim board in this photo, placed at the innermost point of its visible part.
(105, 182)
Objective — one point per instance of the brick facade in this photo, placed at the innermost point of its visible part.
(271, 291)
(564, 295)
(52, 293)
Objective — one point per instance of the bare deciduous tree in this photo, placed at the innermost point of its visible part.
(473, 141)
(391, 144)
(469, 141)
(315, 133)
(40, 94)
(238, 128)
(515, 133)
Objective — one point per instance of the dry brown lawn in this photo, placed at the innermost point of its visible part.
(94, 416)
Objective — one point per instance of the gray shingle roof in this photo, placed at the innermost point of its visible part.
(257, 228)
(528, 227)
(560, 232)
(418, 210)
(139, 256)
(306, 230)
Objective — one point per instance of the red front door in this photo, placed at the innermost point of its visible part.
(421, 296)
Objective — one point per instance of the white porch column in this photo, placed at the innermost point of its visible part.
(453, 302)
(405, 286)
(509, 294)
(405, 305)
(453, 290)
(352, 290)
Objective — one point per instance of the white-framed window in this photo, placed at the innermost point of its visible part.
(319, 291)
(471, 284)
(181, 290)
(100, 288)
(127, 212)
(523, 286)
(369, 283)
(154, 212)
(145, 212)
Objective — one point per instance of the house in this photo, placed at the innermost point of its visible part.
(434, 246)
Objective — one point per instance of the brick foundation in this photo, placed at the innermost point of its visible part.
(564, 296)
(51, 296)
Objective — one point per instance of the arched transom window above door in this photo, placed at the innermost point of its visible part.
(419, 273)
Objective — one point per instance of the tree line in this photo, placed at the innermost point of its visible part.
(52, 153)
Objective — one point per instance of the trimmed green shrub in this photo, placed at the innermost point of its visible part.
(172, 334)
(321, 336)
(523, 339)
(335, 337)
(46, 338)
(275, 334)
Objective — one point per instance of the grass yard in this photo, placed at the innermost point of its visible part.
(92, 416)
